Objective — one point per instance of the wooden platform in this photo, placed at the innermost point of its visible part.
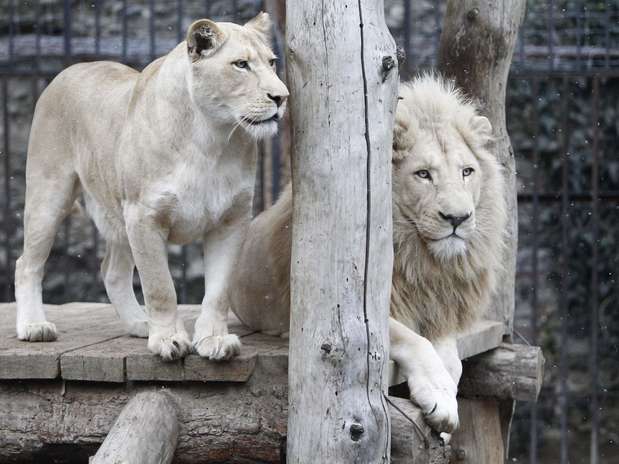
(92, 346)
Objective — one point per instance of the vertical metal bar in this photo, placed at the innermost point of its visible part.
(11, 30)
(563, 259)
(183, 295)
(207, 8)
(180, 33)
(437, 25)
(550, 30)
(607, 13)
(98, 26)
(407, 35)
(579, 33)
(125, 30)
(37, 40)
(151, 29)
(67, 29)
(7, 216)
(235, 8)
(66, 245)
(94, 261)
(595, 317)
(533, 438)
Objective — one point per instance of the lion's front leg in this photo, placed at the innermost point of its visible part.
(431, 386)
(211, 338)
(166, 333)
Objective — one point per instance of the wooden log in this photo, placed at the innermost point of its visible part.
(478, 440)
(476, 48)
(342, 75)
(235, 423)
(509, 372)
(146, 432)
(412, 441)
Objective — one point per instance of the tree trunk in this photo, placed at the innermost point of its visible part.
(146, 432)
(342, 74)
(476, 50)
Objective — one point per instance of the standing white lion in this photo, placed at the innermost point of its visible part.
(448, 230)
(168, 154)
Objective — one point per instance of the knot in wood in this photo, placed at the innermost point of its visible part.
(472, 14)
(326, 348)
(356, 430)
(388, 65)
(460, 454)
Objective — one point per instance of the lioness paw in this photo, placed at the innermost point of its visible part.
(38, 332)
(171, 347)
(218, 347)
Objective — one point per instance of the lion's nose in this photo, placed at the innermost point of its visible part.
(278, 99)
(454, 220)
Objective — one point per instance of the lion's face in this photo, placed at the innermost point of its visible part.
(442, 171)
(233, 76)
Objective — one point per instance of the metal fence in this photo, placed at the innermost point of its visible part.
(563, 104)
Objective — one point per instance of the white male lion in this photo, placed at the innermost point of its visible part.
(448, 222)
(168, 154)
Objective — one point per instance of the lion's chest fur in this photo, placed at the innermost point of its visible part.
(202, 192)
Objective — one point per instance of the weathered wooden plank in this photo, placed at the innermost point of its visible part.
(508, 372)
(146, 432)
(484, 335)
(78, 326)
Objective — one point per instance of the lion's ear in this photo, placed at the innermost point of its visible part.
(261, 23)
(402, 136)
(482, 129)
(204, 38)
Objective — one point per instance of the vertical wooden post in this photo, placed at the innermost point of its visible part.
(342, 75)
(477, 44)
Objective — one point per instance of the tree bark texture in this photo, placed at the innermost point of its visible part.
(342, 75)
(476, 48)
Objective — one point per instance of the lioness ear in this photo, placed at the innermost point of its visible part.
(204, 38)
(261, 23)
(481, 127)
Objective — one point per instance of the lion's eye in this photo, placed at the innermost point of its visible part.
(467, 172)
(424, 174)
(241, 64)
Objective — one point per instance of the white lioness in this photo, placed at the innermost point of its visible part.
(168, 154)
(448, 221)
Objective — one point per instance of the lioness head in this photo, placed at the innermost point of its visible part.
(444, 177)
(232, 76)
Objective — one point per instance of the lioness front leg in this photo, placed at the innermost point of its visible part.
(431, 386)
(166, 333)
(211, 338)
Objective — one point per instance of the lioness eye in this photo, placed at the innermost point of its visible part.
(241, 64)
(272, 62)
(467, 172)
(424, 174)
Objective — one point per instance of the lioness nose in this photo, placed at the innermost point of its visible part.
(455, 221)
(278, 99)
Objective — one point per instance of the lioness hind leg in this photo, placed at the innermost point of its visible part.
(48, 202)
(117, 272)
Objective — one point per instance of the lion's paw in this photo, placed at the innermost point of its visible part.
(170, 347)
(218, 347)
(38, 332)
(138, 328)
(436, 394)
